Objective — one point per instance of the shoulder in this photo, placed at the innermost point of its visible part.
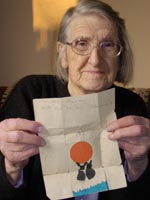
(23, 93)
(36, 79)
(126, 94)
(129, 103)
(36, 84)
(40, 86)
(32, 86)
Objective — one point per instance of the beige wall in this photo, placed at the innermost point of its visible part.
(19, 55)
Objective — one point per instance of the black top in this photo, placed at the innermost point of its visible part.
(19, 104)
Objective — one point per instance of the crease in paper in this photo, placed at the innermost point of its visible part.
(79, 158)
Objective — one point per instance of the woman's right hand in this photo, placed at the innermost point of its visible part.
(19, 141)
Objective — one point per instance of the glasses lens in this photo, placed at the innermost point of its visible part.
(110, 49)
(81, 46)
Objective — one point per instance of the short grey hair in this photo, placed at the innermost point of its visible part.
(97, 7)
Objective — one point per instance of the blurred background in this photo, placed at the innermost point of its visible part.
(28, 31)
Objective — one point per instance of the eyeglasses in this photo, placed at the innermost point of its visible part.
(84, 47)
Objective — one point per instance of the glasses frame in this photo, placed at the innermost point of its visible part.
(72, 45)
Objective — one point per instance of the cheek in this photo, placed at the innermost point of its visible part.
(113, 68)
(75, 65)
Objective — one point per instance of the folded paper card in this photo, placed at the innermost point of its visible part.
(79, 158)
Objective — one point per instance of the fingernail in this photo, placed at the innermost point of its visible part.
(40, 129)
(111, 127)
(111, 136)
(42, 142)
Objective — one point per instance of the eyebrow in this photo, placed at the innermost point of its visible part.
(83, 37)
(107, 39)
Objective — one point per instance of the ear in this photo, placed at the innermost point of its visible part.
(62, 53)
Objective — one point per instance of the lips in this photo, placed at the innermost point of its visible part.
(94, 72)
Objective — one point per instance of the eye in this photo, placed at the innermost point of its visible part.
(107, 45)
(81, 45)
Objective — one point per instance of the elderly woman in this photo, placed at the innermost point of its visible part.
(93, 53)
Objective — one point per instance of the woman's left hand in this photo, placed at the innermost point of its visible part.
(133, 136)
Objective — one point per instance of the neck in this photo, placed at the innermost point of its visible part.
(74, 91)
(77, 91)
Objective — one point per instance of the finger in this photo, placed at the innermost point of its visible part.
(135, 141)
(20, 124)
(131, 132)
(140, 149)
(22, 137)
(128, 121)
(16, 157)
(5, 147)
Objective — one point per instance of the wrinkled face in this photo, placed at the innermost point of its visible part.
(90, 73)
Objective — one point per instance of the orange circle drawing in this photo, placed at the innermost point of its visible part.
(81, 152)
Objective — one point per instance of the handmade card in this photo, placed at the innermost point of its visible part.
(79, 158)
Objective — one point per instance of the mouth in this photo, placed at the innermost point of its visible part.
(98, 72)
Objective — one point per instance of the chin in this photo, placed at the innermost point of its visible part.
(96, 88)
(93, 90)
(97, 85)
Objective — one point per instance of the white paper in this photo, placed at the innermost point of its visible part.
(79, 158)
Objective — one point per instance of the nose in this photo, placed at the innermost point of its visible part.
(95, 56)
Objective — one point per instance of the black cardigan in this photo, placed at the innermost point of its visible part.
(19, 104)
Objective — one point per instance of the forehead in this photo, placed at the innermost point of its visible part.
(91, 26)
